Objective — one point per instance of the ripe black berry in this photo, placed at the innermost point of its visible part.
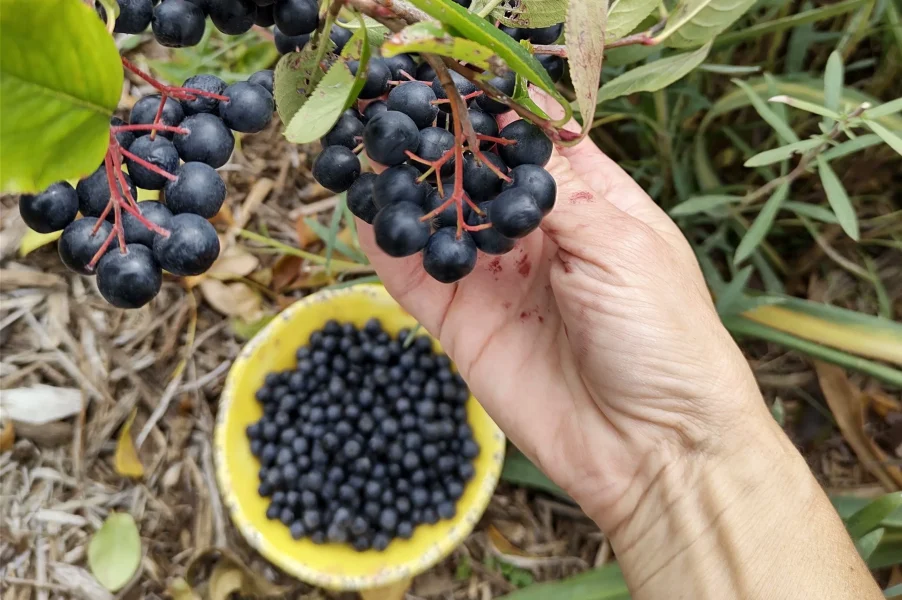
(340, 37)
(484, 124)
(514, 213)
(554, 65)
(515, 32)
(94, 192)
(347, 132)
(434, 143)
(360, 198)
(372, 109)
(145, 110)
(336, 168)
(400, 64)
(178, 23)
(448, 217)
(134, 16)
(232, 17)
(389, 136)
(136, 232)
(289, 43)
(123, 138)
(399, 184)
(77, 245)
(208, 140)
(480, 182)
(296, 17)
(425, 72)
(377, 78)
(464, 87)
(191, 248)
(51, 210)
(264, 16)
(399, 230)
(203, 104)
(505, 84)
(532, 146)
(199, 189)
(538, 182)
(449, 258)
(545, 35)
(129, 279)
(490, 241)
(159, 152)
(249, 108)
(264, 78)
(416, 101)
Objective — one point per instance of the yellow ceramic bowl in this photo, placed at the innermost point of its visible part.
(333, 566)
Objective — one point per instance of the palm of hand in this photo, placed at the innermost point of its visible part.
(569, 340)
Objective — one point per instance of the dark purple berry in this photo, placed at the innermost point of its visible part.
(286, 44)
(484, 124)
(360, 198)
(399, 230)
(232, 17)
(178, 23)
(449, 257)
(416, 101)
(372, 109)
(264, 16)
(464, 86)
(425, 72)
(208, 140)
(296, 17)
(514, 213)
(434, 143)
(481, 182)
(340, 37)
(130, 279)
(264, 78)
(554, 65)
(515, 32)
(157, 151)
(399, 184)
(347, 132)
(191, 248)
(51, 210)
(77, 245)
(249, 108)
(448, 217)
(535, 180)
(377, 78)
(199, 189)
(123, 138)
(94, 192)
(389, 136)
(532, 146)
(336, 168)
(203, 104)
(489, 240)
(544, 35)
(145, 111)
(134, 16)
(400, 64)
(504, 84)
(136, 232)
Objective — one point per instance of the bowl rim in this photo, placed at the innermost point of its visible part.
(441, 548)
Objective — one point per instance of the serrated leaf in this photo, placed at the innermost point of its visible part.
(768, 157)
(852, 146)
(528, 13)
(626, 15)
(56, 98)
(833, 84)
(695, 22)
(323, 107)
(515, 56)
(295, 77)
(32, 240)
(584, 28)
(767, 113)
(838, 198)
(893, 140)
(114, 552)
(653, 76)
(763, 222)
(806, 106)
(432, 38)
(881, 110)
(702, 204)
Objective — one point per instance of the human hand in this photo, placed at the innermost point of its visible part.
(594, 344)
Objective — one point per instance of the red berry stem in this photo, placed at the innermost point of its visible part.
(481, 158)
(149, 166)
(158, 117)
(158, 127)
(179, 93)
(495, 140)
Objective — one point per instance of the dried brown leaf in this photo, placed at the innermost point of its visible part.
(305, 234)
(225, 568)
(286, 270)
(125, 460)
(7, 435)
(232, 299)
(234, 262)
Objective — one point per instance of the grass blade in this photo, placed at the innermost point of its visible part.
(893, 140)
(834, 77)
(605, 583)
(852, 146)
(871, 516)
(759, 229)
(702, 204)
(519, 470)
(838, 198)
(887, 108)
(728, 301)
(769, 157)
(767, 113)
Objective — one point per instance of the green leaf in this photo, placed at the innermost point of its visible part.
(768, 114)
(812, 211)
(56, 98)
(514, 55)
(759, 229)
(357, 48)
(806, 106)
(112, 12)
(834, 77)
(851, 146)
(799, 21)
(871, 516)
(626, 15)
(868, 543)
(729, 69)
(114, 552)
(887, 108)
(323, 107)
(838, 198)
(893, 592)
(604, 583)
(529, 13)
(431, 37)
(295, 77)
(702, 204)
(584, 29)
(728, 300)
(695, 22)
(331, 240)
(519, 470)
(893, 140)
(653, 76)
(375, 31)
(768, 157)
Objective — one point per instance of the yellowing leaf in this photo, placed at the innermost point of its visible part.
(180, 590)
(228, 575)
(232, 300)
(32, 240)
(431, 37)
(225, 581)
(126, 461)
(584, 28)
(7, 436)
(115, 551)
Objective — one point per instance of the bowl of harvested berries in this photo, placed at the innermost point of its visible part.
(349, 451)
